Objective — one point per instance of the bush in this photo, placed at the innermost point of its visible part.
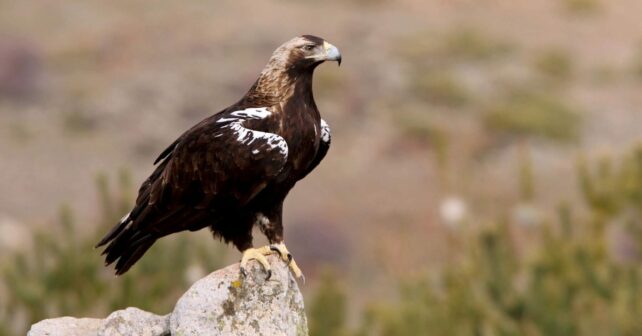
(471, 44)
(77, 122)
(582, 7)
(461, 44)
(555, 64)
(439, 88)
(570, 283)
(534, 114)
(329, 308)
(64, 275)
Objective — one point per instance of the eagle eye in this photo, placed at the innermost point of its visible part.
(308, 47)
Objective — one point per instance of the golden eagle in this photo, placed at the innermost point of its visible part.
(233, 170)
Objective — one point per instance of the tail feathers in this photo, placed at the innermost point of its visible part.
(115, 231)
(126, 245)
(126, 249)
(132, 254)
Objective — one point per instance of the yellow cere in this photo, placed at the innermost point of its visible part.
(327, 46)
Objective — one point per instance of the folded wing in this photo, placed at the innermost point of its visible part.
(218, 165)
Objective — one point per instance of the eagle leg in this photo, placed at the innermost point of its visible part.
(282, 250)
(257, 254)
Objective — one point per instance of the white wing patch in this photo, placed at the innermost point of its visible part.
(125, 218)
(261, 220)
(247, 136)
(325, 131)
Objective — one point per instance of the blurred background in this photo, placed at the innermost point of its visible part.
(485, 175)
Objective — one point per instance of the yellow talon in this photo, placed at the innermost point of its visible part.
(257, 254)
(282, 250)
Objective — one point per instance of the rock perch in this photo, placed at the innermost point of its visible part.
(219, 304)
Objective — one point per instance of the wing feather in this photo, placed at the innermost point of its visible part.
(217, 166)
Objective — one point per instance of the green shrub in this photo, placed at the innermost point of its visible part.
(77, 122)
(555, 64)
(534, 114)
(582, 7)
(569, 283)
(64, 275)
(471, 44)
(329, 308)
(440, 88)
(461, 44)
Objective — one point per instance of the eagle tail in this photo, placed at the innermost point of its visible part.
(115, 231)
(133, 253)
(126, 245)
(126, 249)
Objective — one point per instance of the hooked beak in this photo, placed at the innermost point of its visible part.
(331, 53)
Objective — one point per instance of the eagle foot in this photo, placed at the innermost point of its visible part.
(282, 250)
(257, 254)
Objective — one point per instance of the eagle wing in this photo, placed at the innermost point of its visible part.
(324, 145)
(224, 158)
(218, 165)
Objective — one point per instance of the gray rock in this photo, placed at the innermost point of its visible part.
(219, 304)
(134, 322)
(130, 322)
(223, 304)
(66, 326)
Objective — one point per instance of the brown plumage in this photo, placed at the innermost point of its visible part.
(234, 169)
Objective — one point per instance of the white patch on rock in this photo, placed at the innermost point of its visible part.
(248, 136)
(325, 131)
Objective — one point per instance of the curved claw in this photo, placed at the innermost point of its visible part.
(283, 252)
(258, 255)
(275, 249)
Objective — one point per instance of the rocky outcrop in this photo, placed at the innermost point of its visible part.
(66, 326)
(219, 304)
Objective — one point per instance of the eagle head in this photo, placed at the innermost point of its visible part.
(291, 64)
(304, 53)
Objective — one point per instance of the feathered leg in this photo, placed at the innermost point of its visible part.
(243, 242)
(270, 225)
